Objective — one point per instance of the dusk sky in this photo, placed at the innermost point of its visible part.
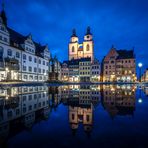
(123, 23)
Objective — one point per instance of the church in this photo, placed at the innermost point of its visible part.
(84, 50)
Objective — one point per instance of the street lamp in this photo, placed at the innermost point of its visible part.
(140, 67)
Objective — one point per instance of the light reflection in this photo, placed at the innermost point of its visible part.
(140, 100)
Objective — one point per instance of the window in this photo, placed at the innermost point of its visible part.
(39, 70)
(35, 60)
(39, 61)
(30, 58)
(35, 69)
(47, 64)
(9, 52)
(5, 39)
(73, 49)
(73, 116)
(30, 69)
(87, 47)
(24, 56)
(25, 76)
(24, 68)
(30, 97)
(43, 62)
(30, 107)
(1, 52)
(17, 54)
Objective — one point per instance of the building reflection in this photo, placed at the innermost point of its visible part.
(145, 90)
(81, 101)
(119, 99)
(55, 96)
(21, 107)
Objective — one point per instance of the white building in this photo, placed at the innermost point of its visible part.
(20, 57)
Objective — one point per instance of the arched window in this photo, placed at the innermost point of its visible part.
(87, 47)
(1, 51)
(73, 49)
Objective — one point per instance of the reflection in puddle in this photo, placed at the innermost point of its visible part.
(22, 107)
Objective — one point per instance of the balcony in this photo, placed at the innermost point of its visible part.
(12, 64)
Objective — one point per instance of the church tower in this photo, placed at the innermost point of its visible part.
(73, 46)
(88, 45)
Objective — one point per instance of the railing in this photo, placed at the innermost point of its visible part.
(12, 66)
(11, 63)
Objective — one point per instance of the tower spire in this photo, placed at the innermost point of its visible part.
(3, 14)
(3, 5)
(88, 31)
(74, 33)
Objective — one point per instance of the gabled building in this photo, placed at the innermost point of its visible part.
(119, 66)
(21, 58)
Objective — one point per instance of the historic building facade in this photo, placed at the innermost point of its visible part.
(144, 77)
(84, 50)
(81, 70)
(21, 58)
(119, 66)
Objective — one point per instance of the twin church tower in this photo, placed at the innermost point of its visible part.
(84, 50)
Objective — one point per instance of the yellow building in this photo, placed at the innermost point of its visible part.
(84, 50)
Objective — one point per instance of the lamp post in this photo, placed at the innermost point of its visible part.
(140, 67)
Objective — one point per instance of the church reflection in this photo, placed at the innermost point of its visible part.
(22, 107)
(81, 101)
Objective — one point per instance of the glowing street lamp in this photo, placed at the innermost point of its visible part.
(140, 67)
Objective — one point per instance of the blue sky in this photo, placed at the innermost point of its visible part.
(123, 23)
